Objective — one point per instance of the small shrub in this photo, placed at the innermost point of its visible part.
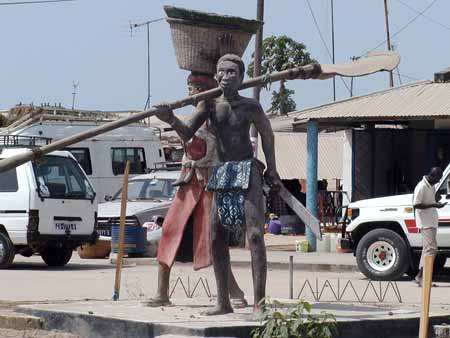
(294, 322)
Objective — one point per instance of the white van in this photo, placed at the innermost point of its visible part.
(103, 157)
(47, 207)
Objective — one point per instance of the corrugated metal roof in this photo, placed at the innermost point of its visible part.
(417, 101)
(281, 123)
(290, 153)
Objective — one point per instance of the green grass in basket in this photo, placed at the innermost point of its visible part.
(212, 18)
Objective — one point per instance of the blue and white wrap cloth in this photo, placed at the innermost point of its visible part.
(230, 180)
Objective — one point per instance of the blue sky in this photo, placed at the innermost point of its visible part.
(47, 47)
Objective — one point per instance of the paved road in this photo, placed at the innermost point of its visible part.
(31, 280)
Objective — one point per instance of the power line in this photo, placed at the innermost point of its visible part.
(409, 77)
(323, 40)
(318, 29)
(423, 15)
(33, 2)
(405, 26)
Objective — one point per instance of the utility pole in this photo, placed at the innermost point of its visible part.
(332, 47)
(257, 67)
(74, 93)
(388, 40)
(147, 24)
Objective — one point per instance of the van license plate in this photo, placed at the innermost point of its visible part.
(66, 226)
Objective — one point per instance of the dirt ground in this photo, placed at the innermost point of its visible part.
(8, 333)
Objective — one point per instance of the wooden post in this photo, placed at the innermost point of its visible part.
(426, 290)
(291, 277)
(123, 213)
(257, 68)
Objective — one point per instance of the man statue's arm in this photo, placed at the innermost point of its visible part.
(264, 128)
(184, 130)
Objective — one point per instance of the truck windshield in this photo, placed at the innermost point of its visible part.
(61, 177)
(149, 189)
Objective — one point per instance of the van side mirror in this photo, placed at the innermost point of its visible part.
(108, 198)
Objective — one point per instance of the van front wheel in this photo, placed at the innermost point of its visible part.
(53, 256)
(7, 251)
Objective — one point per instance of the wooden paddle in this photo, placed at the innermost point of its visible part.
(364, 66)
(426, 291)
(123, 214)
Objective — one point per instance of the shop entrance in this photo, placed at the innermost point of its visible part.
(391, 161)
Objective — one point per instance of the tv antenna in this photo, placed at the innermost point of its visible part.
(147, 25)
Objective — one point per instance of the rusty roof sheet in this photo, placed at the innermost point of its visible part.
(290, 153)
(417, 101)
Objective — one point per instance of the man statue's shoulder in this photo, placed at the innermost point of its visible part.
(251, 102)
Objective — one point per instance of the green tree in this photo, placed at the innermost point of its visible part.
(281, 53)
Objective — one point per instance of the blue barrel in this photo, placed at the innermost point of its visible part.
(134, 240)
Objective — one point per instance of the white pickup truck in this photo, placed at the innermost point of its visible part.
(385, 239)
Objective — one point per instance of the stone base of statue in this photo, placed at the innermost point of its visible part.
(108, 319)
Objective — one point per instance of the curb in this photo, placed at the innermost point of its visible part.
(18, 321)
(246, 264)
(102, 327)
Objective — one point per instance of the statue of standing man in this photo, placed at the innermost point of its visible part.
(237, 181)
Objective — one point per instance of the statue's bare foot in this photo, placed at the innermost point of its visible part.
(239, 303)
(257, 313)
(158, 301)
(218, 310)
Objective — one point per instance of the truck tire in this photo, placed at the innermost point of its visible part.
(382, 255)
(7, 251)
(53, 256)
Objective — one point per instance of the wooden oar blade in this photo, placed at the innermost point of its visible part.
(374, 62)
(299, 209)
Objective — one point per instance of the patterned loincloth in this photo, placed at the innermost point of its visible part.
(230, 181)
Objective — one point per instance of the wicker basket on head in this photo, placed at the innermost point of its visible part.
(196, 37)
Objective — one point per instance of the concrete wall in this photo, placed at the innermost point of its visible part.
(347, 164)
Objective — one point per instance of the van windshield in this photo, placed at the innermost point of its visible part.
(61, 177)
(149, 189)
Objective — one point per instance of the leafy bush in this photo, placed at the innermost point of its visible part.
(294, 322)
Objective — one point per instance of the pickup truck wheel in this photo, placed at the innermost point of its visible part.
(53, 256)
(7, 251)
(382, 255)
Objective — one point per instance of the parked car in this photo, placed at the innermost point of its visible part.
(148, 195)
(47, 207)
(385, 239)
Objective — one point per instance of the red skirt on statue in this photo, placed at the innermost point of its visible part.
(186, 229)
(191, 207)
